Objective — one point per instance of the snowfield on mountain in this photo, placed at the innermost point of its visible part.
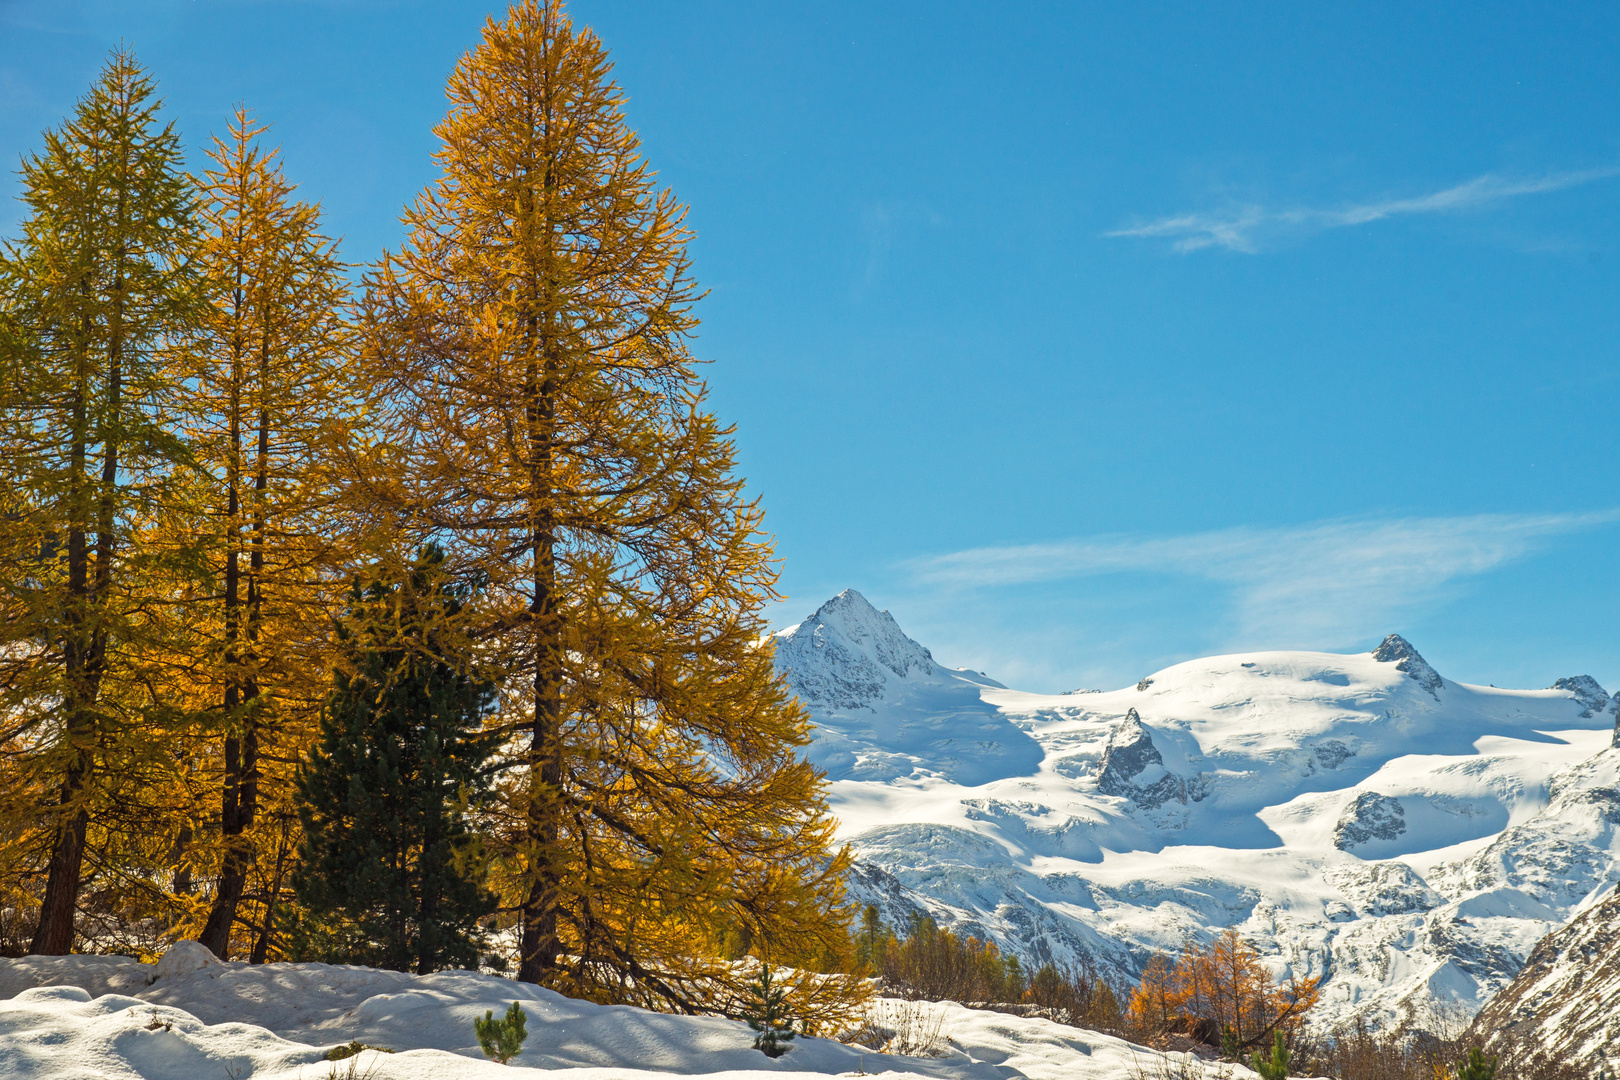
(1360, 818)
(191, 1017)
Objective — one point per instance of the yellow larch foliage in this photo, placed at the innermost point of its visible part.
(539, 414)
(1220, 988)
(1153, 1004)
(269, 378)
(98, 291)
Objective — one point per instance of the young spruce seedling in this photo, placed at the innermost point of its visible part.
(769, 1015)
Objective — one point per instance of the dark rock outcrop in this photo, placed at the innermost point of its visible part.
(1133, 768)
(1331, 753)
(1370, 816)
(1586, 690)
(1397, 650)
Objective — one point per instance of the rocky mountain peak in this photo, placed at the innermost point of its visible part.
(1133, 768)
(1130, 736)
(1397, 650)
(1593, 698)
(843, 655)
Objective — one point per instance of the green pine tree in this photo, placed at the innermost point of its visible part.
(502, 1040)
(1275, 1067)
(768, 1015)
(385, 795)
(1477, 1067)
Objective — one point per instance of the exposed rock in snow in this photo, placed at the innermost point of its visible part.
(1021, 817)
(1384, 888)
(1565, 1002)
(1587, 691)
(1133, 768)
(1331, 753)
(1370, 816)
(1398, 650)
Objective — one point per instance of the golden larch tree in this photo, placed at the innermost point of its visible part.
(270, 375)
(97, 290)
(1222, 991)
(540, 415)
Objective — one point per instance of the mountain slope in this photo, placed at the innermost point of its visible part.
(1566, 1000)
(1408, 837)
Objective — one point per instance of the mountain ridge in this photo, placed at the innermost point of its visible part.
(1406, 837)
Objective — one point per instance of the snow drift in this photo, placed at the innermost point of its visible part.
(191, 1017)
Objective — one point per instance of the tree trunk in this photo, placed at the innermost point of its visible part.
(540, 944)
(261, 947)
(84, 646)
(239, 798)
(54, 937)
(241, 761)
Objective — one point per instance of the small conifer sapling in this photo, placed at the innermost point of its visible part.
(1275, 1067)
(769, 1015)
(1477, 1067)
(502, 1039)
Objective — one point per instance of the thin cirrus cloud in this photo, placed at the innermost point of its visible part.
(1247, 229)
(1319, 585)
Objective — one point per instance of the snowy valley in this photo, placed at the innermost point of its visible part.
(1361, 818)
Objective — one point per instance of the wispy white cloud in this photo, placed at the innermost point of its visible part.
(1247, 228)
(1318, 585)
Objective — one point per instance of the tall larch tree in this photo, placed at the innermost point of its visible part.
(99, 286)
(541, 416)
(271, 375)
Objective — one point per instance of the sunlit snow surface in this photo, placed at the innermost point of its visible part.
(193, 1018)
(1408, 837)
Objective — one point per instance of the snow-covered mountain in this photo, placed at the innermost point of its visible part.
(1409, 837)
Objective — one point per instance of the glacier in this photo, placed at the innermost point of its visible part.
(1360, 818)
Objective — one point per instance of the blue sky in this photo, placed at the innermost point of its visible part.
(1085, 338)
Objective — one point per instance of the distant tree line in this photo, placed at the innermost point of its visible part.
(925, 961)
(1217, 999)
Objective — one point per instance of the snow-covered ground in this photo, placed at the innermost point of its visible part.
(1361, 817)
(190, 1017)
